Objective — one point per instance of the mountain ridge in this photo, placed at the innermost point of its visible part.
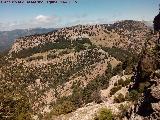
(107, 35)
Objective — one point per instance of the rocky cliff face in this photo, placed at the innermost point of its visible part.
(148, 105)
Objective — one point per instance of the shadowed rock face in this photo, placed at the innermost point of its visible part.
(148, 106)
(157, 22)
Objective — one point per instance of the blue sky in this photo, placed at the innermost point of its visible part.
(18, 16)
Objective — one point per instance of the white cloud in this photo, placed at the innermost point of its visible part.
(35, 22)
(43, 19)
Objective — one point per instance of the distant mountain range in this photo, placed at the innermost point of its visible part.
(7, 37)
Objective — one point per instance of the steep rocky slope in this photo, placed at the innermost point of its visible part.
(73, 70)
(147, 82)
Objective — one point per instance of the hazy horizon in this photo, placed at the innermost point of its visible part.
(25, 16)
(149, 23)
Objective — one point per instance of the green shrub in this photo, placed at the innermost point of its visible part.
(115, 89)
(120, 98)
(133, 95)
(121, 82)
(124, 82)
(82, 41)
(127, 82)
(142, 86)
(115, 84)
(79, 47)
(124, 65)
(63, 108)
(35, 58)
(104, 114)
(64, 52)
(117, 70)
(51, 56)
